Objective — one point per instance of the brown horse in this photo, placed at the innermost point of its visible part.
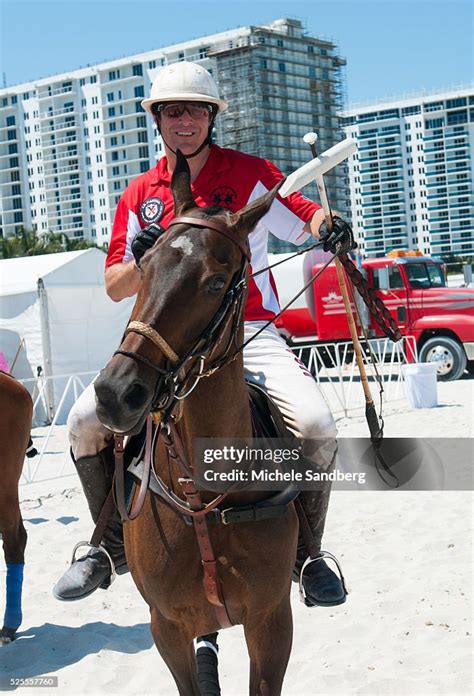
(15, 426)
(186, 278)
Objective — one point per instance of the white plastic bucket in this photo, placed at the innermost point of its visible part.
(421, 386)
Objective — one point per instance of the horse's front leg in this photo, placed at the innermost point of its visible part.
(269, 638)
(177, 650)
(14, 543)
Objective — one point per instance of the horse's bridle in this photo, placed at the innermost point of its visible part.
(176, 377)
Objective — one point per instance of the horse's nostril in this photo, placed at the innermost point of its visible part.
(136, 396)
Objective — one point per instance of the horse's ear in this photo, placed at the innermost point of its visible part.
(181, 185)
(245, 220)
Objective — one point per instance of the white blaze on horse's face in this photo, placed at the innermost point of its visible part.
(184, 243)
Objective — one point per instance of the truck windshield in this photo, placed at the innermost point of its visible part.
(425, 275)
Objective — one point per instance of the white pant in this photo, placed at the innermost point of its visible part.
(269, 363)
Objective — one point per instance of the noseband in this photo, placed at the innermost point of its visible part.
(178, 381)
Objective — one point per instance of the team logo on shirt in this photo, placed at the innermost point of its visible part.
(224, 196)
(151, 210)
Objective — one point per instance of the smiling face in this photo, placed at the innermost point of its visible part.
(184, 128)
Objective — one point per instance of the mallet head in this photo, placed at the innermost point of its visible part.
(310, 138)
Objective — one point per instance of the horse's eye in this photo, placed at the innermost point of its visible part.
(216, 284)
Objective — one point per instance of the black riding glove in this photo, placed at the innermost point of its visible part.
(145, 240)
(341, 238)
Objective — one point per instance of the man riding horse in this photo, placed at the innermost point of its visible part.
(184, 103)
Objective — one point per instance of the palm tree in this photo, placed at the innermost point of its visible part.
(29, 243)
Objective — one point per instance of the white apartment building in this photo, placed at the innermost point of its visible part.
(70, 144)
(411, 180)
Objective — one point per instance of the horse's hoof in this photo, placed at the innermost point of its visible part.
(7, 635)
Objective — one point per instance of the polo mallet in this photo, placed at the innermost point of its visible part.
(375, 429)
(399, 458)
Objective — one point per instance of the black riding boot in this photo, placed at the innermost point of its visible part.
(98, 566)
(319, 585)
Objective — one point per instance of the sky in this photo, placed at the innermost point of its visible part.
(392, 47)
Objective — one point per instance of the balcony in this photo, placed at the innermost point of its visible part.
(61, 141)
(63, 199)
(61, 170)
(8, 168)
(55, 92)
(63, 185)
(63, 155)
(72, 226)
(62, 125)
(58, 112)
(65, 213)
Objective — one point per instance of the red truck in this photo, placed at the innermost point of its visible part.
(412, 286)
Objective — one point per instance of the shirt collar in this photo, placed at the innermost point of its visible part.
(216, 162)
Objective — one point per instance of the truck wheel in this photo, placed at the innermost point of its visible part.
(448, 354)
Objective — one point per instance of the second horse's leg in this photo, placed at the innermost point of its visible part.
(14, 543)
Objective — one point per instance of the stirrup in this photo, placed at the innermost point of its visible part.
(82, 544)
(320, 556)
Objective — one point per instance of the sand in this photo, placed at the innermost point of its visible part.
(406, 627)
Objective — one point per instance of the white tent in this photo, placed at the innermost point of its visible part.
(58, 305)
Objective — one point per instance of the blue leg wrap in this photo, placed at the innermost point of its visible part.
(13, 615)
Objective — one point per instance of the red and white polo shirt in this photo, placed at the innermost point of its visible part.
(230, 179)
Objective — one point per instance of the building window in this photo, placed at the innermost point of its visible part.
(457, 117)
(137, 70)
(281, 67)
(10, 120)
(139, 91)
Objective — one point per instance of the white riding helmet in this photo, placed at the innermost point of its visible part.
(184, 82)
